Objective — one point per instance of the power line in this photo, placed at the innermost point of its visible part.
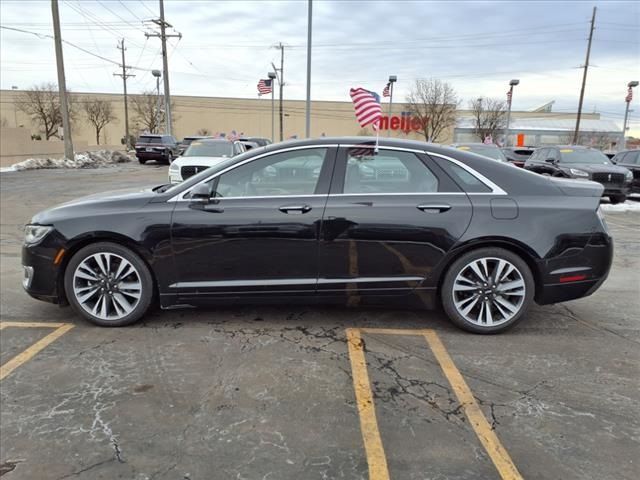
(115, 14)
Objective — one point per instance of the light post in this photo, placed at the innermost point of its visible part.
(272, 77)
(15, 109)
(512, 84)
(628, 99)
(157, 74)
(392, 79)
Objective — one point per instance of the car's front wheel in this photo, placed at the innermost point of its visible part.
(487, 290)
(615, 199)
(108, 284)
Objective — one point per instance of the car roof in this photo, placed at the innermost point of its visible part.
(475, 144)
(215, 140)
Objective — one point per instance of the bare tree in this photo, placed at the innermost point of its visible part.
(434, 103)
(489, 117)
(204, 132)
(149, 112)
(99, 113)
(42, 104)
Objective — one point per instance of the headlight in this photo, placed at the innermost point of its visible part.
(33, 234)
(174, 167)
(628, 176)
(578, 173)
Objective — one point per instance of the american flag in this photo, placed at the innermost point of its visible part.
(629, 96)
(367, 107)
(264, 86)
(488, 140)
(385, 91)
(509, 96)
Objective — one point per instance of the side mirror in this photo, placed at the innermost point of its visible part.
(200, 193)
(550, 160)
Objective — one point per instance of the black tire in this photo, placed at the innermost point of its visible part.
(142, 160)
(143, 281)
(615, 199)
(493, 297)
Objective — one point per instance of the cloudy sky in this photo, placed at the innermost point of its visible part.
(226, 46)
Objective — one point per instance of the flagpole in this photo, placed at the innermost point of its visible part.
(390, 103)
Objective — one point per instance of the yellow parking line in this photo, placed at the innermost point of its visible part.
(376, 459)
(486, 435)
(26, 355)
(368, 423)
(31, 324)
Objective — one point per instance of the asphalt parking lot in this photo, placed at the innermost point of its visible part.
(311, 393)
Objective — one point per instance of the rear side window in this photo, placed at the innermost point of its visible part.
(388, 172)
(468, 182)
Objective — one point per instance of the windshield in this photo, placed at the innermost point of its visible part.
(145, 139)
(486, 151)
(570, 155)
(209, 149)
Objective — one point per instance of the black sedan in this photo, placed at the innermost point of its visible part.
(307, 221)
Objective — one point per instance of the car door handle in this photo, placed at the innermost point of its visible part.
(295, 208)
(434, 208)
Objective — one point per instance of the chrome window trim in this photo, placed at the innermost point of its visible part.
(495, 189)
(180, 196)
(390, 194)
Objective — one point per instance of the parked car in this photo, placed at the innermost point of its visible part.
(455, 229)
(486, 150)
(583, 163)
(517, 155)
(186, 141)
(162, 148)
(630, 159)
(261, 141)
(202, 154)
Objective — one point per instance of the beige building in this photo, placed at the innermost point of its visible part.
(249, 116)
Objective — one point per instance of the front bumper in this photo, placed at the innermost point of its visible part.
(42, 277)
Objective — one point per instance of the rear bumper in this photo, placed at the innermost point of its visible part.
(152, 155)
(577, 275)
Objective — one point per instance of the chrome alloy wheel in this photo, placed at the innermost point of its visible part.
(107, 286)
(489, 291)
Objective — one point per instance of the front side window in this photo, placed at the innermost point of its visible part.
(388, 171)
(288, 173)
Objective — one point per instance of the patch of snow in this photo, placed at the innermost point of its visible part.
(628, 206)
(97, 159)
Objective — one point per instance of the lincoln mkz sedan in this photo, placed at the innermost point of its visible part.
(331, 220)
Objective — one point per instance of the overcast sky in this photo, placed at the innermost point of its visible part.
(227, 46)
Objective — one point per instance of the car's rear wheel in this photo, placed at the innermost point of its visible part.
(615, 199)
(108, 284)
(142, 161)
(487, 290)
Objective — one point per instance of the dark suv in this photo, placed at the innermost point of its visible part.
(583, 163)
(630, 159)
(163, 148)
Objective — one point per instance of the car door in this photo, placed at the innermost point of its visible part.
(390, 219)
(259, 232)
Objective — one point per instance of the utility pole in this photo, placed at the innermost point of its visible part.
(62, 86)
(308, 109)
(124, 76)
(280, 77)
(165, 64)
(584, 79)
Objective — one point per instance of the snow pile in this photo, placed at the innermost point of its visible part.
(97, 159)
(628, 206)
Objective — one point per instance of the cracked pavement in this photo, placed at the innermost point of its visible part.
(267, 392)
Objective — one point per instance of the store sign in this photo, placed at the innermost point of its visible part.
(404, 122)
